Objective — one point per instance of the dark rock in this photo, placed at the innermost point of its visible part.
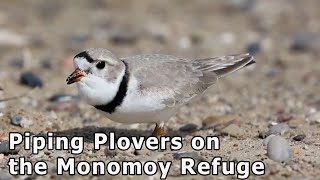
(306, 41)
(60, 97)
(46, 64)
(31, 80)
(4, 148)
(299, 137)
(254, 48)
(189, 128)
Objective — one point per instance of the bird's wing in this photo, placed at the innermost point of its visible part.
(177, 80)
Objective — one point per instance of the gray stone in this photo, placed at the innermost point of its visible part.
(4, 148)
(190, 154)
(278, 149)
(280, 128)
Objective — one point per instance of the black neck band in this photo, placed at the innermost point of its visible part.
(121, 94)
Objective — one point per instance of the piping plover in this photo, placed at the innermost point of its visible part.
(146, 88)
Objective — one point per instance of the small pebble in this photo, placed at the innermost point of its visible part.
(278, 149)
(266, 140)
(46, 63)
(124, 37)
(284, 117)
(306, 41)
(30, 79)
(190, 154)
(60, 97)
(299, 137)
(189, 128)
(4, 148)
(280, 128)
(233, 130)
(21, 121)
(16, 120)
(253, 48)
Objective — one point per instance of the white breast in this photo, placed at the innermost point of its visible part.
(141, 108)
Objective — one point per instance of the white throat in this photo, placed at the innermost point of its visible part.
(97, 91)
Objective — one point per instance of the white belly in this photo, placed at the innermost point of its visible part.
(141, 117)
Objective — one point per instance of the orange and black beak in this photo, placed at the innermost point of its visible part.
(76, 76)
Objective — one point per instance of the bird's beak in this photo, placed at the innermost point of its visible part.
(76, 76)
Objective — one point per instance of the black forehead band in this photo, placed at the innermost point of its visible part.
(85, 55)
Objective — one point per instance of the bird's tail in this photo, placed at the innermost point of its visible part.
(225, 65)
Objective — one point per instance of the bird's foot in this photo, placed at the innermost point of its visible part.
(159, 130)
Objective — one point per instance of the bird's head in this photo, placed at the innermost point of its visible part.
(95, 63)
(97, 74)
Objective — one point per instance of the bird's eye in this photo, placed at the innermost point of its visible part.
(100, 64)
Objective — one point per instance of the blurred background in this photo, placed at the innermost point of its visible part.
(38, 40)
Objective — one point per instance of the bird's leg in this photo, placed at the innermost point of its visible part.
(159, 130)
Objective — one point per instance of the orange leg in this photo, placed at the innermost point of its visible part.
(159, 130)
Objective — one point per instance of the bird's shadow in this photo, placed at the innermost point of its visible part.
(88, 132)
